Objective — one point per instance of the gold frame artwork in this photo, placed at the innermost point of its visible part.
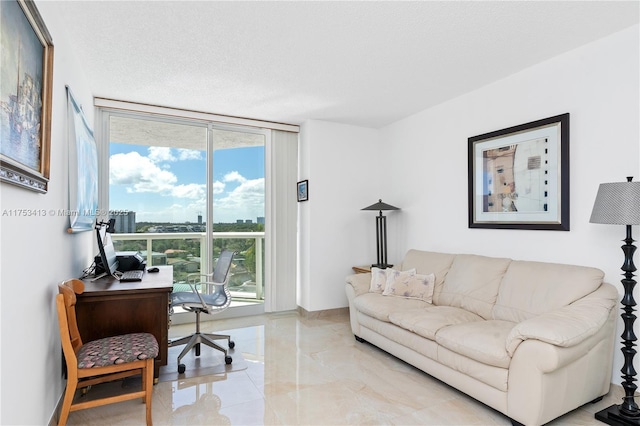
(26, 71)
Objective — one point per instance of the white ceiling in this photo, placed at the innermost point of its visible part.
(360, 63)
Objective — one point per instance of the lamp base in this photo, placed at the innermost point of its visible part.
(612, 416)
(381, 265)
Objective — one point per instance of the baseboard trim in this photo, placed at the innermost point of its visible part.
(323, 313)
(53, 420)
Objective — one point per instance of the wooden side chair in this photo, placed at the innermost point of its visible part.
(102, 360)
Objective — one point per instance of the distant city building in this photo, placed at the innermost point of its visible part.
(125, 222)
(248, 221)
(239, 221)
(260, 220)
(199, 219)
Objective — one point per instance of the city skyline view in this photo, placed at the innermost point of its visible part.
(167, 184)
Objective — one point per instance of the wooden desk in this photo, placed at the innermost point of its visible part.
(109, 307)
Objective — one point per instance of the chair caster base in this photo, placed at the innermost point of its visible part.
(228, 360)
(232, 344)
(181, 368)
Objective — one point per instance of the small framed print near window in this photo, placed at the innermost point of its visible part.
(303, 190)
(519, 176)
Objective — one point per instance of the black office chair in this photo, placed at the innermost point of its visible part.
(210, 294)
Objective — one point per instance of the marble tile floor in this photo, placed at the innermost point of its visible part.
(303, 371)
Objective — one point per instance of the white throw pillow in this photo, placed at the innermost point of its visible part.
(414, 286)
(393, 275)
(378, 280)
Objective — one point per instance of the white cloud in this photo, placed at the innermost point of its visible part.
(246, 201)
(190, 190)
(142, 174)
(189, 154)
(234, 176)
(218, 187)
(158, 154)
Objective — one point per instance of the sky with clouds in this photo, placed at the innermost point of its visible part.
(163, 184)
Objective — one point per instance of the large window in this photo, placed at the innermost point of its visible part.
(182, 191)
(182, 185)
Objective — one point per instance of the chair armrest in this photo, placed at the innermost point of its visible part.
(360, 282)
(197, 279)
(569, 325)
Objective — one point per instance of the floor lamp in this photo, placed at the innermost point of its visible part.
(381, 233)
(619, 204)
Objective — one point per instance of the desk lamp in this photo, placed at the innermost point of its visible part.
(619, 204)
(381, 233)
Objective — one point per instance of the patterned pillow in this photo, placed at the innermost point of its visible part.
(378, 280)
(393, 275)
(414, 286)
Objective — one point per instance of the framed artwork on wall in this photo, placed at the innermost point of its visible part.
(83, 169)
(519, 176)
(26, 79)
(303, 190)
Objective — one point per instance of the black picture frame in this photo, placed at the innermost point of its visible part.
(303, 190)
(519, 176)
(26, 102)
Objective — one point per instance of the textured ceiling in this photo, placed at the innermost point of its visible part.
(361, 63)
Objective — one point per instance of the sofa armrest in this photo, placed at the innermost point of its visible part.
(569, 325)
(360, 282)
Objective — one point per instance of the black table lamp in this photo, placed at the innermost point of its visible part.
(381, 233)
(619, 204)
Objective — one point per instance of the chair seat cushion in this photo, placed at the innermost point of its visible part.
(117, 350)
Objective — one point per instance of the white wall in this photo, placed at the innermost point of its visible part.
(418, 164)
(36, 254)
(598, 84)
(345, 168)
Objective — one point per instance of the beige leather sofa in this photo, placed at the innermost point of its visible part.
(532, 340)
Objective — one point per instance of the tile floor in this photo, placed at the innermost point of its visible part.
(310, 372)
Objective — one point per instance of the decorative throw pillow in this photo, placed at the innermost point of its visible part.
(414, 286)
(393, 274)
(378, 280)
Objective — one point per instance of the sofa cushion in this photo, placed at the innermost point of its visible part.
(387, 330)
(472, 284)
(414, 286)
(570, 325)
(529, 289)
(483, 341)
(427, 262)
(378, 306)
(427, 321)
(495, 377)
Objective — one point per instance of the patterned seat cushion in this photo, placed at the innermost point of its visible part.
(117, 350)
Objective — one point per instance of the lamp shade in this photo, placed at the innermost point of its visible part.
(381, 206)
(617, 203)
